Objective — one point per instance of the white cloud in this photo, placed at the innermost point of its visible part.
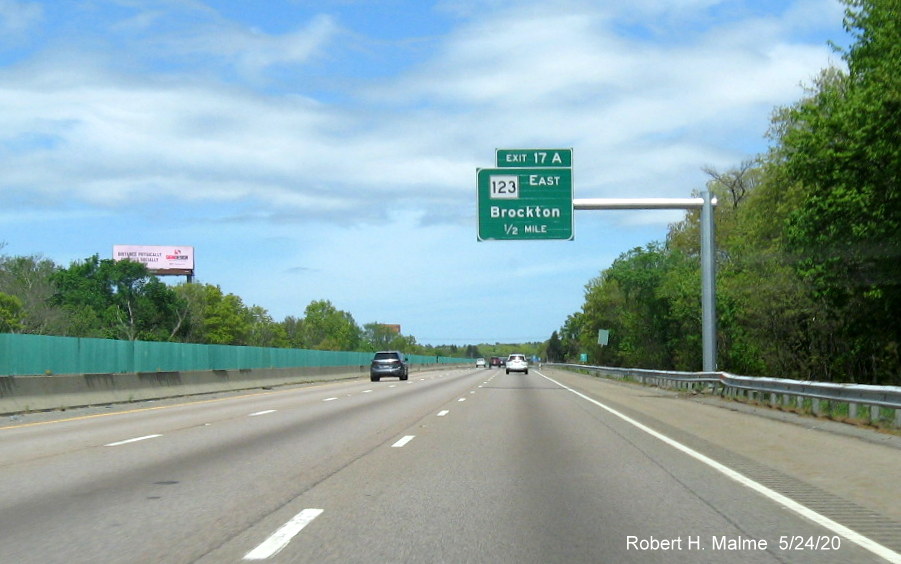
(350, 169)
(254, 51)
(628, 108)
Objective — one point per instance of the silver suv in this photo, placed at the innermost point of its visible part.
(517, 363)
(388, 363)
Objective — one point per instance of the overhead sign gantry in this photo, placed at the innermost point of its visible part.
(530, 196)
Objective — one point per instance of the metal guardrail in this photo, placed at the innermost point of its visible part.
(797, 394)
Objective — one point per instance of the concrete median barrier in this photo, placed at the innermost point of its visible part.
(20, 394)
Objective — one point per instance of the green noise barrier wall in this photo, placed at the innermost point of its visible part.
(44, 355)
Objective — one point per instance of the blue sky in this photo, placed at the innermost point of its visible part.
(328, 149)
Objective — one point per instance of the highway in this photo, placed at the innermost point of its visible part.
(453, 465)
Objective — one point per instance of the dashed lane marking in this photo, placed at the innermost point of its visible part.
(403, 441)
(134, 440)
(280, 538)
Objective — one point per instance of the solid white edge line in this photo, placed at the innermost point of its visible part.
(788, 503)
(403, 441)
(280, 538)
(136, 439)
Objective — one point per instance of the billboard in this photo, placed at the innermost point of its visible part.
(159, 260)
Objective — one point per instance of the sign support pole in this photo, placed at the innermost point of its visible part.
(708, 258)
(708, 285)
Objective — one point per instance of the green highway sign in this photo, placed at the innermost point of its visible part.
(541, 158)
(525, 203)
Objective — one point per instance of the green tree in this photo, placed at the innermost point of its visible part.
(116, 299)
(842, 145)
(11, 314)
(554, 349)
(28, 279)
(264, 332)
(630, 288)
(225, 319)
(404, 343)
(327, 328)
(571, 334)
(194, 297)
(215, 318)
(740, 278)
(293, 329)
(378, 336)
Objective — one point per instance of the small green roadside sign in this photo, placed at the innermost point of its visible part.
(525, 203)
(540, 158)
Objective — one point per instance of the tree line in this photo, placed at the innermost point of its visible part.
(808, 241)
(108, 299)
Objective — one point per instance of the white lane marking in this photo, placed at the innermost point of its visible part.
(403, 441)
(788, 503)
(462, 399)
(136, 439)
(280, 538)
(258, 413)
(329, 399)
(366, 391)
(443, 412)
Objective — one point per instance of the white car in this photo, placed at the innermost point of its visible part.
(517, 363)
(480, 363)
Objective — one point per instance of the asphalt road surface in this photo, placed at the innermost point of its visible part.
(456, 465)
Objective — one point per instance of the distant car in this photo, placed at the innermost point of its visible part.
(517, 363)
(388, 363)
(495, 361)
(480, 363)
